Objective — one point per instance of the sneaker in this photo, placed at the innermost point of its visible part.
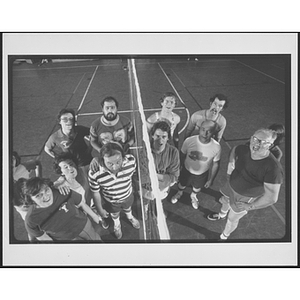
(223, 236)
(135, 223)
(118, 232)
(215, 217)
(195, 202)
(103, 223)
(176, 197)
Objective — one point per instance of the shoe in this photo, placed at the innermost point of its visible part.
(176, 197)
(215, 217)
(195, 202)
(104, 224)
(135, 223)
(118, 232)
(223, 237)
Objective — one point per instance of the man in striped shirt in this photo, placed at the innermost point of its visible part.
(113, 183)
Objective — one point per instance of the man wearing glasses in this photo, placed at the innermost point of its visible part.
(70, 138)
(254, 180)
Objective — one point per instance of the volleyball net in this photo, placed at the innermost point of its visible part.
(146, 185)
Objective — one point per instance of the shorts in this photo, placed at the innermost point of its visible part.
(234, 197)
(114, 207)
(197, 181)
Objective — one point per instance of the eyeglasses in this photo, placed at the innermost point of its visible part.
(65, 120)
(261, 142)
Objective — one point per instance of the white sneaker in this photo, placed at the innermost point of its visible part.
(195, 202)
(176, 197)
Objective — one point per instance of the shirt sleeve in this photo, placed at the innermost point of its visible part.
(32, 228)
(51, 142)
(218, 155)
(94, 185)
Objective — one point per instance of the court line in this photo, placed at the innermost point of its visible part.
(260, 71)
(277, 67)
(79, 108)
(228, 145)
(187, 111)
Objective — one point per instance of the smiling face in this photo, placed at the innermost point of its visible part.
(44, 198)
(66, 122)
(168, 103)
(260, 144)
(160, 139)
(68, 169)
(110, 110)
(113, 163)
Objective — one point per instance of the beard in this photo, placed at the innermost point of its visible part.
(110, 116)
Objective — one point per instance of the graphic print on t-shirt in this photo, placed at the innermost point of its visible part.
(197, 155)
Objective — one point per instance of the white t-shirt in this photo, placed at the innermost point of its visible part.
(199, 156)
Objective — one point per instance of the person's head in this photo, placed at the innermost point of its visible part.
(218, 103)
(111, 157)
(39, 191)
(19, 195)
(15, 159)
(66, 165)
(66, 119)
(207, 130)
(168, 101)
(261, 141)
(160, 133)
(110, 108)
(280, 132)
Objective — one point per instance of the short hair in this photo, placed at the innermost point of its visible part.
(17, 157)
(35, 184)
(63, 157)
(221, 97)
(163, 126)
(271, 133)
(168, 94)
(19, 193)
(66, 111)
(110, 149)
(214, 125)
(109, 99)
(280, 132)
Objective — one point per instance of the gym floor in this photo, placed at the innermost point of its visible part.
(258, 90)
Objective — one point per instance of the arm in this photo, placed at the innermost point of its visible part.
(190, 128)
(231, 161)
(89, 211)
(214, 171)
(62, 185)
(98, 202)
(269, 197)
(176, 137)
(49, 151)
(94, 143)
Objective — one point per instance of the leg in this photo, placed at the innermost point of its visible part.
(232, 222)
(135, 223)
(195, 202)
(224, 200)
(88, 232)
(117, 224)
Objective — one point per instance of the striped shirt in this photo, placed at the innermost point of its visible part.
(114, 187)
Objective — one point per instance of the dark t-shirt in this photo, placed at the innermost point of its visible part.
(75, 144)
(63, 220)
(249, 175)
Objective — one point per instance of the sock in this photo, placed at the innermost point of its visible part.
(223, 213)
(223, 236)
(129, 214)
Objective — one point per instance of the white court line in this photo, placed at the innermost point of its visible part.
(277, 67)
(87, 89)
(187, 111)
(259, 71)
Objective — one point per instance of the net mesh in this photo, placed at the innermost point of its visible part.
(154, 223)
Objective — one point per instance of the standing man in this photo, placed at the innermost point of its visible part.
(255, 177)
(218, 103)
(111, 127)
(166, 159)
(112, 183)
(199, 154)
(69, 138)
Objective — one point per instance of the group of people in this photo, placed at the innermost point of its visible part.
(97, 170)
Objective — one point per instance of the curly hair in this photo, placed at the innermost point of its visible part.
(35, 185)
(109, 99)
(163, 126)
(279, 129)
(221, 97)
(110, 149)
(63, 157)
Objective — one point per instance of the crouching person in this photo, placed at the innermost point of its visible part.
(57, 217)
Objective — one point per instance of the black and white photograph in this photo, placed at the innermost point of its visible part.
(175, 149)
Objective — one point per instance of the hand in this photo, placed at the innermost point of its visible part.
(103, 213)
(208, 184)
(242, 206)
(94, 165)
(63, 188)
